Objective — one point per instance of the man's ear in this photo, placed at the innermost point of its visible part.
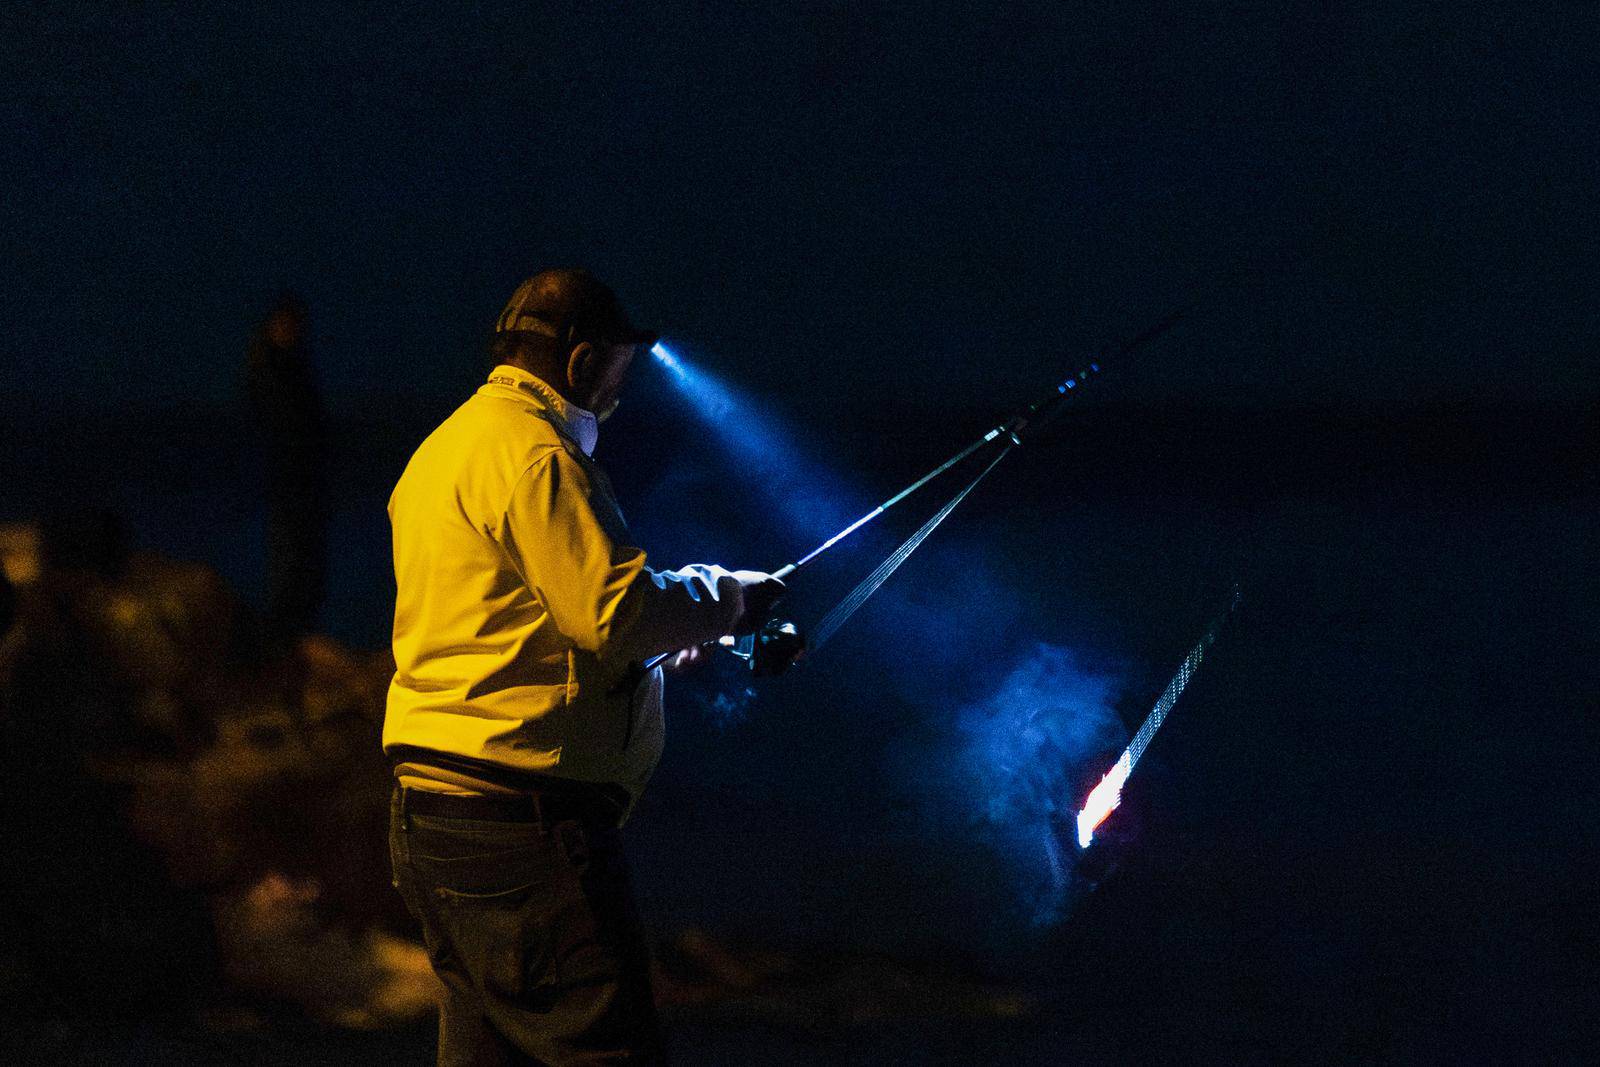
(580, 366)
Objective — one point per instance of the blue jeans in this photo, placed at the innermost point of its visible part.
(534, 932)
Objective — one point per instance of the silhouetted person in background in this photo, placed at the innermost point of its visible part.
(287, 407)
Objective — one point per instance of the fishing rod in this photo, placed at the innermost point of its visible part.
(1031, 420)
(1040, 414)
(778, 640)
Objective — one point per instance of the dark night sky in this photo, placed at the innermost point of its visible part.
(840, 199)
(890, 222)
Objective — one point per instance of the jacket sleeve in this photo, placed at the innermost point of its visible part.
(598, 591)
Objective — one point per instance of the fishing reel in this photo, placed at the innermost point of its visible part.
(772, 649)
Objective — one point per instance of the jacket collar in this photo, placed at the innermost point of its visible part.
(569, 418)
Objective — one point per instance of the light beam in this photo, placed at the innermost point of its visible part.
(810, 497)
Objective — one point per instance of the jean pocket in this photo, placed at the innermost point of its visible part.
(498, 874)
(483, 864)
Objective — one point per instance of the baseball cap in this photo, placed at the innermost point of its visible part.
(572, 304)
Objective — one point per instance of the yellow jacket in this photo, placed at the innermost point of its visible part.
(523, 609)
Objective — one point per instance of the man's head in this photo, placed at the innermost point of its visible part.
(568, 328)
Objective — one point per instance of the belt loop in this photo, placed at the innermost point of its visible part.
(405, 810)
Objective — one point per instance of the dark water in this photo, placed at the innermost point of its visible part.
(1366, 832)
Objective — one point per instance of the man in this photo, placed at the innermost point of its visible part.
(520, 723)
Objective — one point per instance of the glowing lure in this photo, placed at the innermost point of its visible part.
(1107, 794)
(1103, 799)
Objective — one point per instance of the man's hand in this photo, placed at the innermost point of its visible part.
(679, 662)
(759, 592)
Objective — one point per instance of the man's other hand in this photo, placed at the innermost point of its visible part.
(681, 661)
(759, 591)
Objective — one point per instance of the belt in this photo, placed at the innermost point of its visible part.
(547, 807)
(610, 801)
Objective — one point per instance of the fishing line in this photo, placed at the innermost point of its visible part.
(858, 596)
(1008, 435)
